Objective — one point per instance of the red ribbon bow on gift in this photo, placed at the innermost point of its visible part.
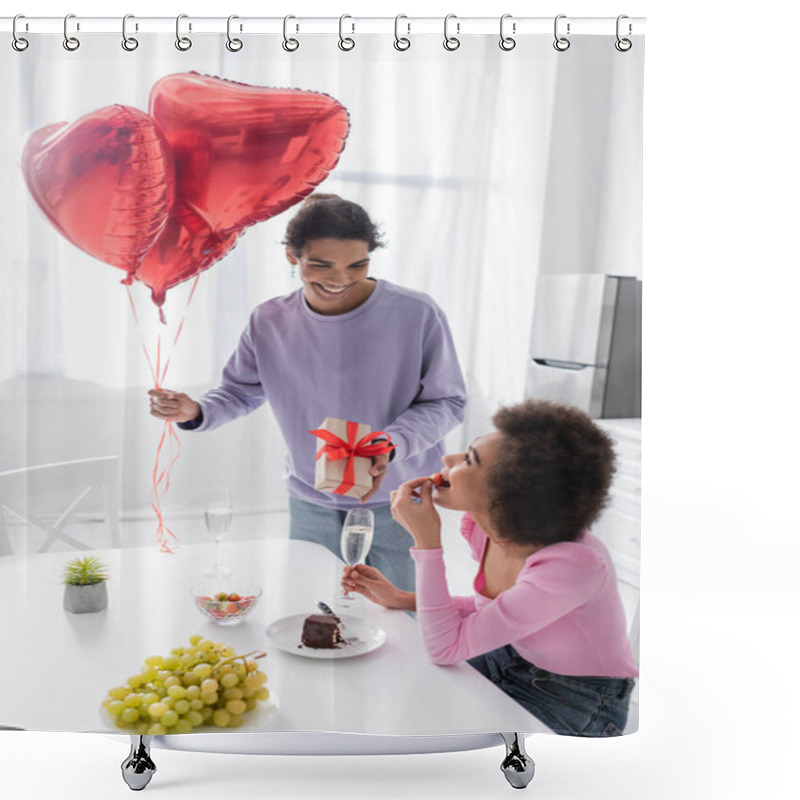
(337, 448)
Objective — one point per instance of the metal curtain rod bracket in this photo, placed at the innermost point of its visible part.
(193, 26)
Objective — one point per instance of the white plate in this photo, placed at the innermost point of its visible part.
(254, 720)
(360, 637)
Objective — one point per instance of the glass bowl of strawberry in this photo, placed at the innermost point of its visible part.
(226, 605)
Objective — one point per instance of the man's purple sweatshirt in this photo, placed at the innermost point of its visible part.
(390, 363)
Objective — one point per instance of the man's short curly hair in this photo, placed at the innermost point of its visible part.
(328, 216)
(553, 474)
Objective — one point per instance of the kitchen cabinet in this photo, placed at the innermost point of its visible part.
(619, 526)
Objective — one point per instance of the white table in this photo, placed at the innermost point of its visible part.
(56, 666)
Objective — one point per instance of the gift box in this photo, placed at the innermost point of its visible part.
(344, 456)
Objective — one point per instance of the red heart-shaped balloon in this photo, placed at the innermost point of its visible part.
(104, 182)
(246, 153)
(187, 246)
(242, 155)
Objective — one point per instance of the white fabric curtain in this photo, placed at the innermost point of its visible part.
(464, 158)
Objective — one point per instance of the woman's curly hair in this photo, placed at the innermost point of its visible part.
(552, 477)
(328, 216)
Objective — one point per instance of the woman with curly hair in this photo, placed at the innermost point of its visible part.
(545, 622)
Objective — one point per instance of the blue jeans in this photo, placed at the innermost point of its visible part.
(390, 542)
(575, 706)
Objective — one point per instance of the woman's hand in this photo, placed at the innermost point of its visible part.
(378, 472)
(374, 585)
(173, 406)
(412, 507)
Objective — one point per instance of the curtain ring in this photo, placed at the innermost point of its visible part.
(182, 42)
(451, 42)
(623, 45)
(234, 45)
(507, 42)
(70, 42)
(345, 42)
(290, 45)
(401, 42)
(129, 43)
(561, 43)
(18, 42)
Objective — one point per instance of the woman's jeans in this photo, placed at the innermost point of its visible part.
(575, 706)
(390, 542)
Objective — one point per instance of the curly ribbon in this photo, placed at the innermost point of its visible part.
(160, 478)
(337, 448)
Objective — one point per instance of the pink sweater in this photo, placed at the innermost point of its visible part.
(563, 613)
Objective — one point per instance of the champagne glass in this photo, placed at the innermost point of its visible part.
(356, 542)
(219, 515)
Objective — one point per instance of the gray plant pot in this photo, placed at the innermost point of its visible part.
(85, 599)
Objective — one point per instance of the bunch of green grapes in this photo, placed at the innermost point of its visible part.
(206, 683)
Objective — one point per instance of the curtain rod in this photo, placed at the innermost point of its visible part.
(407, 25)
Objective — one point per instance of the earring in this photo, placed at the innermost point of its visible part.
(293, 271)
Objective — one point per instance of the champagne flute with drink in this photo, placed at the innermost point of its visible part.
(356, 541)
(218, 515)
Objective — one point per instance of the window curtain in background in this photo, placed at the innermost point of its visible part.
(484, 169)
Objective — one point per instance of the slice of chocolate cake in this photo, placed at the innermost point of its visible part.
(322, 632)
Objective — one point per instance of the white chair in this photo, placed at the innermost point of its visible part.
(48, 499)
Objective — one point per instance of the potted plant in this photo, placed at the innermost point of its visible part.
(85, 585)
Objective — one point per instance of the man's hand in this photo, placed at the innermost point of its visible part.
(378, 471)
(173, 406)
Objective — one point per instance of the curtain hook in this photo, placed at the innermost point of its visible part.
(561, 43)
(401, 42)
(182, 42)
(18, 42)
(507, 42)
(623, 45)
(129, 43)
(70, 42)
(289, 44)
(451, 42)
(234, 45)
(346, 43)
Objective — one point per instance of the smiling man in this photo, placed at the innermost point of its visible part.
(344, 345)
(334, 273)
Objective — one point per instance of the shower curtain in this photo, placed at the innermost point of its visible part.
(485, 167)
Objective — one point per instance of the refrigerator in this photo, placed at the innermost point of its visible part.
(586, 344)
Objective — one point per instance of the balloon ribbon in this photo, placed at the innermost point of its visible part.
(169, 436)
